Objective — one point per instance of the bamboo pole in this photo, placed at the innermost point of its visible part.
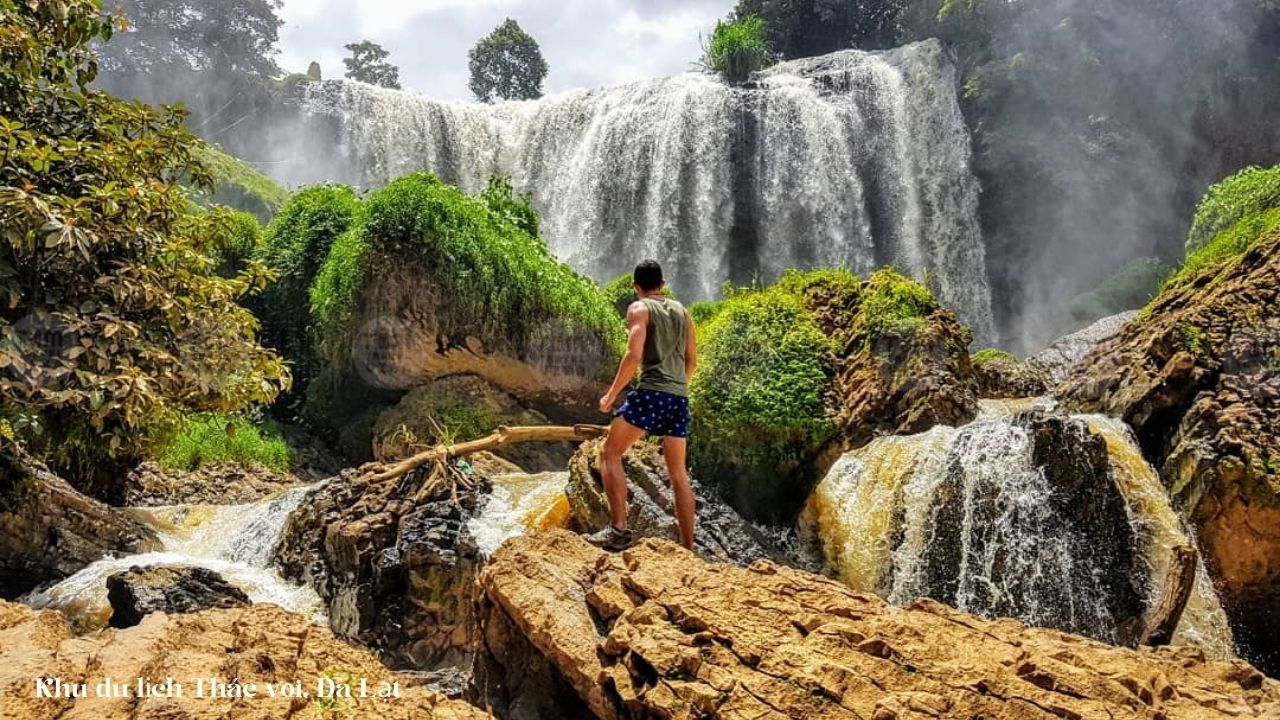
(502, 438)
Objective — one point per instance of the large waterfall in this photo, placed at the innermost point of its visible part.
(965, 515)
(855, 159)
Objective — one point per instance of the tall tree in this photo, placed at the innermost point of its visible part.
(164, 36)
(368, 64)
(112, 320)
(802, 28)
(507, 64)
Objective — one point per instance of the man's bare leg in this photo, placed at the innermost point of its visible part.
(622, 435)
(674, 450)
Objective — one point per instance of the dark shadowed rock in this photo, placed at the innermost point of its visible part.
(48, 530)
(140, 591)
(720, 533)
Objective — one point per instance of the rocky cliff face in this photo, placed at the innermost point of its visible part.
(570, 631)
(1197, 376)
(394, 568)
(261, 644)
(48, 530)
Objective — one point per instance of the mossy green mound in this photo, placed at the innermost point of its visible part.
(988, 356)
(502, 283)
(1131, 287)
(239, 185)
(1229, 221)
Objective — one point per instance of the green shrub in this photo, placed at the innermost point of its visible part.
(758, 398)
(502, 277)
(239, 185)
(738, 48)
(235, 239)
(225, 439)
(1249, 192)
(621, 292)
(295, 246)
(501, 198)
(1226, 245)
(1129, 288)
(992, 355)
(891, 304)
(704, 312)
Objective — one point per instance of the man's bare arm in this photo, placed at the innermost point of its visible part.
(690, 347)
(637, 328)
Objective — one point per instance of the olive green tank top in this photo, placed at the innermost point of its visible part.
(662, 368)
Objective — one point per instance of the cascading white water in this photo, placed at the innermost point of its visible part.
(236, 541)
(856, 159)
(518, 504)
(880, 517)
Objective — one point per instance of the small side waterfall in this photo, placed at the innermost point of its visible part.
(519, 504)
(966, 516)
(236, 541)
(857, 159)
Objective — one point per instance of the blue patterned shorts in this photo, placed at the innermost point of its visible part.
(657, 413)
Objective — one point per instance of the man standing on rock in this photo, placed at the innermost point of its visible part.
(660, 344)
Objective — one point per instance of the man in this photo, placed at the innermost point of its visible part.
(662, 346)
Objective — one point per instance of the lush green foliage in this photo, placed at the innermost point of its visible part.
(1129, 288)
(296, 245)
(802, 28)
(112, 319)
(171, 36)
(504, 276)
(703, 312)
(1226, 245)
(235, 237)
(501, 198)
(368, 64)
(891, 305)
(239, 185)
(621, 292)
(738, 48)
(507, 64)
(225, 440)
(992, 355)
(758, 398)
(1248, 193)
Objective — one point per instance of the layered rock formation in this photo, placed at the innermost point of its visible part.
(720, 533)
(48, 530)
(1197, 376)
(140, 591)
(570, 631)
(256, 645)
(1003, 377)
(394, 566)
(151, 485)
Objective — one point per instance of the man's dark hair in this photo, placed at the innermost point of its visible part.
(648, 275)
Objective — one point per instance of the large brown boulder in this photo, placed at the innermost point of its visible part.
(140, 591)
(394, 567)
(1197, 376)
(719, 533)
(570, 631)
(258, 645)
(48, 530)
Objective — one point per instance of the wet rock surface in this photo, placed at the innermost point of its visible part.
(1056, 361)
(571, 631)
(140, 591)
(719, 533)
(394, 566)
(1008, 378)
(260, 644)
(150, 485)
(48, 530)
(1197, 376)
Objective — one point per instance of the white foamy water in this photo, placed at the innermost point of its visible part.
(858, 159)
(519, 504)
(965, 515)
(235, 541)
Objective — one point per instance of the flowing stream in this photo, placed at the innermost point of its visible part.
(879, 517)
(856, 159)
(236, 541)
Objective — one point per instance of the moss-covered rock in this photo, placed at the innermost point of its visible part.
(431, 282)
(239, 185)
(1197, 376)
(1230, 219)
(1001, 375)
(795, 374)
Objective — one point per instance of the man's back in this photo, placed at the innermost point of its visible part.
(665, 344)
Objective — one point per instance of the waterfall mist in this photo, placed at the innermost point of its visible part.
(856, 159)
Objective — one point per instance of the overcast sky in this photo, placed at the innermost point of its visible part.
(587, 43)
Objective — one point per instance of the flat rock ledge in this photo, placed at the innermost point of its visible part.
(570, 631)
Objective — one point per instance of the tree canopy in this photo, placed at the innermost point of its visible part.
(802, 28)
(507, 64)
(368, 64)
(161, 36)
(112, 319)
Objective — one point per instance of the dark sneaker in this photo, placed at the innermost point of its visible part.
(610, 538)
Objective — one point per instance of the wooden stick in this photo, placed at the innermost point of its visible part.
(503, 437)
(1164, 617)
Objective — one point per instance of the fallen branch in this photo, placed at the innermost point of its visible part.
(376, 472)
(1164, 617)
